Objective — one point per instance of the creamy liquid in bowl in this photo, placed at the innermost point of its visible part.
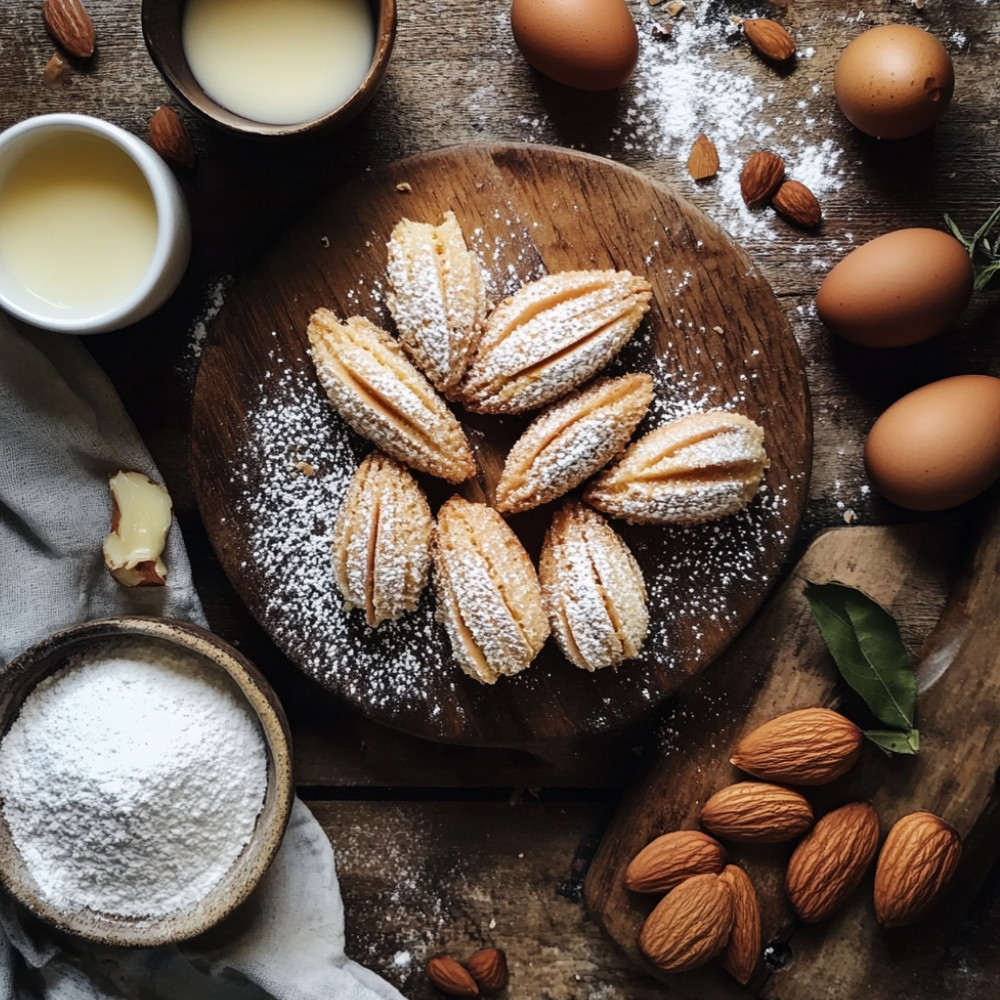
(78, 224)
(279, 62)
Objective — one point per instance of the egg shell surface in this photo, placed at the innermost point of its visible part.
(897, 289)
(938, 446)
(587, 44)
(894, 81)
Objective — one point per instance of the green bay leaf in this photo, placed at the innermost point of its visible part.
(894, 740)
(864, 641)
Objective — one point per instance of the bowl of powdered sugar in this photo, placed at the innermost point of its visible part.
(145, 780)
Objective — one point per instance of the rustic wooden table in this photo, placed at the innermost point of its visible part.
(442, 848)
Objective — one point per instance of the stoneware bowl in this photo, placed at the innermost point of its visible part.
(29, 142)
(19, 677)
(162, 28)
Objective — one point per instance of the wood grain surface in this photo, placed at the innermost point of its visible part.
(456, 78)
(715, 337)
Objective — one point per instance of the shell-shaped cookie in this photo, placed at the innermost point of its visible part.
(592, 588)
(437, 296)
(572, 440)
(488, 594)
(382, 541)
(552, 335)
(379, 394)
(695, 469)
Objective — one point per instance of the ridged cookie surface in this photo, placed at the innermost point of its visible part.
(381, 396)
(437, 296)
(382, 541)
(488, 595)
(572, 440)
(552, 335)
(592, 588)
(695, 469)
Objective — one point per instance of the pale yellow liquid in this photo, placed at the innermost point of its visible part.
(77, 224)
(279, 62)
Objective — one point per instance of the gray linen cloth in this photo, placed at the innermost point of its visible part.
(62, 431)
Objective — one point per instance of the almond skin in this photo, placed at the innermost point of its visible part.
(70, 25)
(917, 861)
(703, 162)
(796, 203)
(769, 39)
(743, 949)
(451, 977)
(831, 860)
(672, 858)
(810, 746)
(761, 177)
(170, 138)
(690, 925)
(755, 812)
(488, 968)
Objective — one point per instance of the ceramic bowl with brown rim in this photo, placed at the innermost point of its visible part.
(52, 892)
(272, 67)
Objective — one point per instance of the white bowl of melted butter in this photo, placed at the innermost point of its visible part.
(94, 229)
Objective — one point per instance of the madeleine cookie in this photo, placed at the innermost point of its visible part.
(552, 335)
(437, 296)
(488, 594)
(699, 468)
(382, 397)
(382, 541)
(592, 588)
(571, 441)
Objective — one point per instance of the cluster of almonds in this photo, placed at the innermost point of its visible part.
(711, 909)
(763, 180)
(484, 972)
(70, 25)
(533, 351)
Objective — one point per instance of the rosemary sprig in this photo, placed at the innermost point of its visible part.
(984, 251)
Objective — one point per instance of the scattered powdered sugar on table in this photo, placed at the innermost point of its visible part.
(109, 777)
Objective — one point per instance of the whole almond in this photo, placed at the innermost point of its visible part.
(769, 39)
(795, 202)
(704, 159)
(917, 861)
(70, 25)
(170, 138)
(809, 746)
(831, 860)
(451, 977)
(743, 949)
(673, 857)
(755, 812)
(690, 925)
(761, 177)
(488, 968)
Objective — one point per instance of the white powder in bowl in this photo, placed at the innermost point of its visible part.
(131, 780)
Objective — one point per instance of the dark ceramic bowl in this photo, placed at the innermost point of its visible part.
(162, 29)
(17, 680)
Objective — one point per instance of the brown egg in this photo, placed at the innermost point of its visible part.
(938, 446)
(898, 289)
(894, 81)
(588, 44)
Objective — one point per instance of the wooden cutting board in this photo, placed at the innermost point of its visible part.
(271, 461)
(780, 663)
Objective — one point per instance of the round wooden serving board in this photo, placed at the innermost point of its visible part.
(271, 460)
